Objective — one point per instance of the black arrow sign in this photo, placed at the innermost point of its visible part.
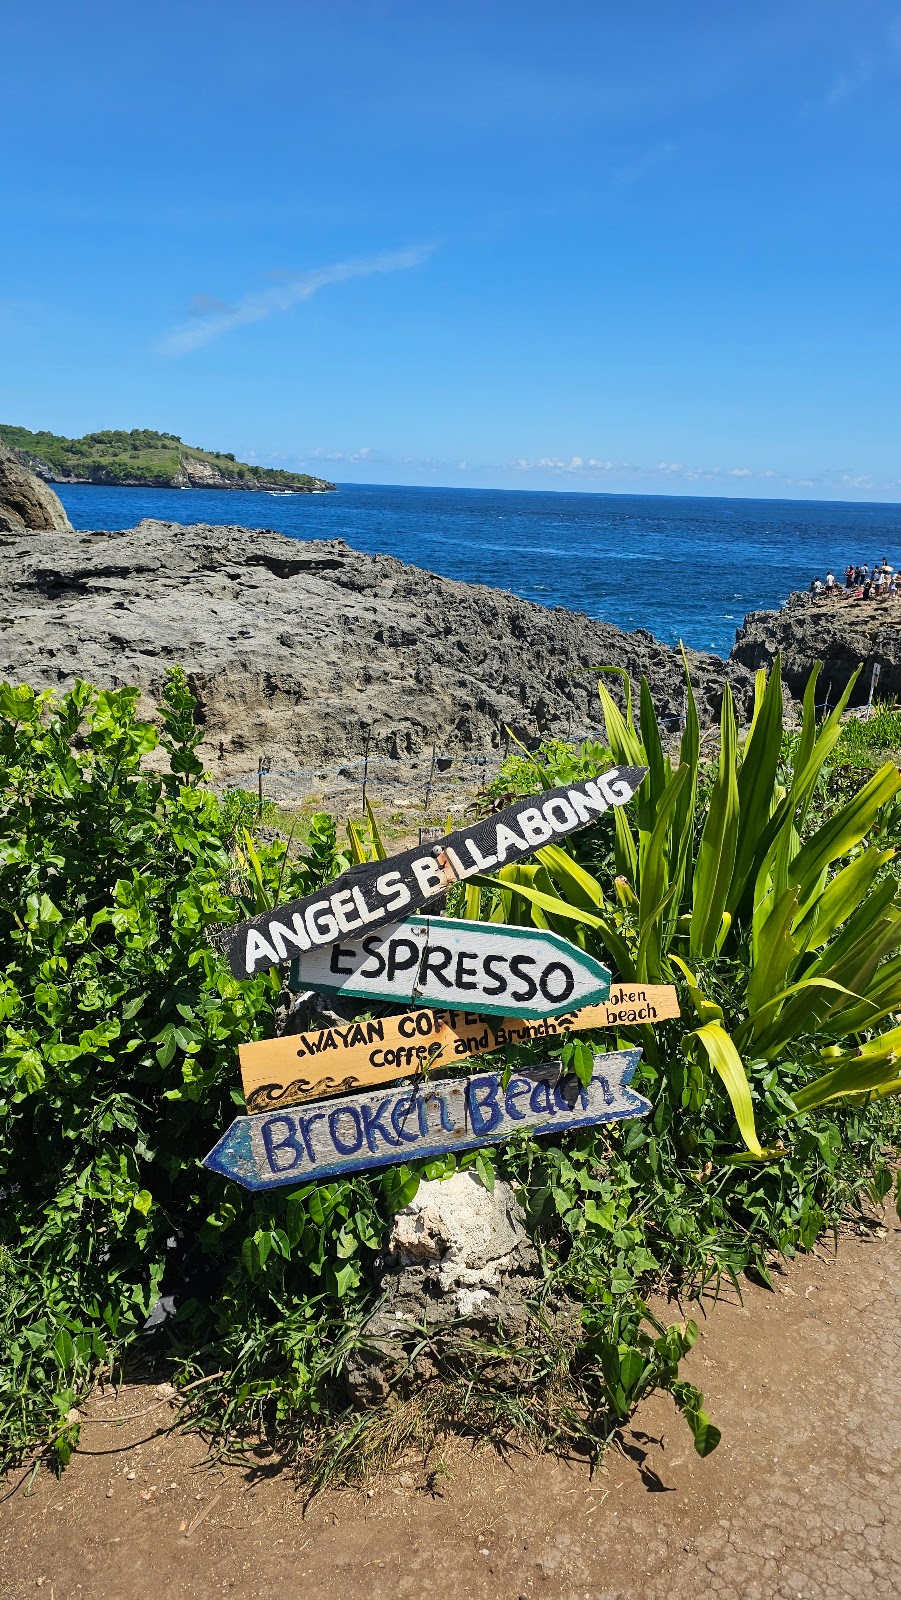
(375, 892)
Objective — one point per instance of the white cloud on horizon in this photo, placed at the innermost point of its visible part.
(210, 318)
(593, 470)
(340, 455)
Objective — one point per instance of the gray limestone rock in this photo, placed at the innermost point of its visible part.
(25, 501)
(299, 647)
(842, 632)
(459, 1262)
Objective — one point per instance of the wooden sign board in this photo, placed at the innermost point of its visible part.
(452, 964)
(294, 1146)
(335, 1060)
(372, 893)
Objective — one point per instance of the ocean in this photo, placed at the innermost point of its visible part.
(684, 568)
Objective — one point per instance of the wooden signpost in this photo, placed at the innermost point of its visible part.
(372, 893)
(337, 1059)
(472, 986)
(451, 964)
(297, 1145)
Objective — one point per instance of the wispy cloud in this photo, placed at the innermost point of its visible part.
(341, 455)
(575, 464)
(209, 318)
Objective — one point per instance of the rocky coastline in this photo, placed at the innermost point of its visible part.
(841, 632)
(312, 651)
(308, 649)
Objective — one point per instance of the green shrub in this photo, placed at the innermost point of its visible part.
(118, 1071)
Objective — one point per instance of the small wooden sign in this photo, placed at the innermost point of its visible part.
(451, 963)
(372, 893)
(293, 1146)
(337, 1059)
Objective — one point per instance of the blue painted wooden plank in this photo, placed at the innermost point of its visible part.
(319, 1141)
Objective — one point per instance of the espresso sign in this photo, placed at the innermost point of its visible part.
(440, 961)
(454, 1114)
(354, 1055)
(373, 892)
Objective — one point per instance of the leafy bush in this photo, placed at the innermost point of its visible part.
(523, 773)
(738, 883)
(118, 1071)
(863, 739)
(118, 1067)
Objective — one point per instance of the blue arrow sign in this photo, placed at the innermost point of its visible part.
(324, 1140)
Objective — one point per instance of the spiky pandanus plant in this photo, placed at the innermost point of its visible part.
(786, 932)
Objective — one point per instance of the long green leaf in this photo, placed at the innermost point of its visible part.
(625, 745)
(846, 828)
(881, 998)
(725, 1059)
(776, 951)
(819, 917)
(580, 884)
(263, 897)
(653, 898)
(808, 768)
(379, 851)
(651, 792)
(873, 1065)
(684, 815)
(757, 778)
(716, 852)
(625, 854)
(705, 1010)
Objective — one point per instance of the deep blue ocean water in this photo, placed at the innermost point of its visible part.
(681, 567)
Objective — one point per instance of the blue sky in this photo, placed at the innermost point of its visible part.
(581, 246)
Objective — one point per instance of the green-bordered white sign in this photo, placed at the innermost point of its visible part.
(481, 966)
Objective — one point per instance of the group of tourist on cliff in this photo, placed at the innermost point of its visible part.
(883, 583)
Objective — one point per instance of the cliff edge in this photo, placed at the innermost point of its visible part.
(841, 632)
(300, 648)
(26, 502)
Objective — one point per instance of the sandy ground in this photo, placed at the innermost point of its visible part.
(802, 1499)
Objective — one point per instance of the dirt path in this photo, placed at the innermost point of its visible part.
(802, 1499)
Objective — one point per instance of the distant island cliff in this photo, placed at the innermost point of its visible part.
(145, 459)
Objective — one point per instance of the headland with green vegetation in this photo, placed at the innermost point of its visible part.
(143, 458)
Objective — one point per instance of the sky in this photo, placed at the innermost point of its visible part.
(582, 246)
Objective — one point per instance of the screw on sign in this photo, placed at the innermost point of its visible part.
(362, 1131)
(335, 1059)
(440, 961)
(372, 893)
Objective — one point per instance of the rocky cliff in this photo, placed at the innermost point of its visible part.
(299, 648)
(26, 502)
(841, 632)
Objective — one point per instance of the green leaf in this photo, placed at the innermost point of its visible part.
(399, 1186)
(756, 779)
(725, 1059)
(716, 852)
(484, 1167)
(845, 829)
(705, 1434)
